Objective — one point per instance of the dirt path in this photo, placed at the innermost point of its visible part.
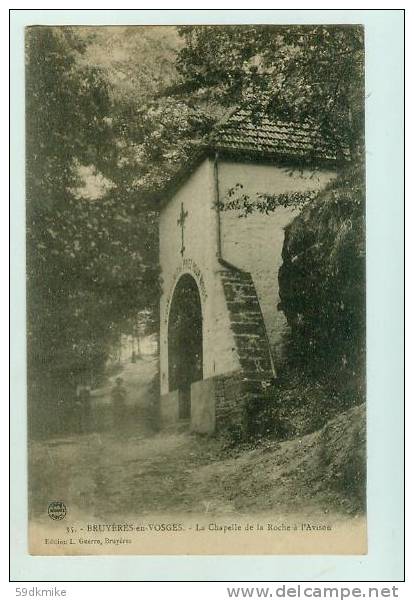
(118, 468)
(130, 469)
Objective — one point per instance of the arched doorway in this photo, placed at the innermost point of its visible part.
(185, 341)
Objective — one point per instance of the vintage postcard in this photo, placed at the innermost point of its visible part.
(195, 216)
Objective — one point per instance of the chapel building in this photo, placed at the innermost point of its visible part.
(220, 327)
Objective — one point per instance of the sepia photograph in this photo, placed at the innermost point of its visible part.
(196, 289)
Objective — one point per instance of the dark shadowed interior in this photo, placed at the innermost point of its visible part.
(185, 342)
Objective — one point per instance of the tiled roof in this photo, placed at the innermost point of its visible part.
(276, 138)
(241, 137)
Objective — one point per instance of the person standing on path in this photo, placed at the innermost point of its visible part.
(118, 397)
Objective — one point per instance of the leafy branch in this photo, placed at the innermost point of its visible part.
(236, 200)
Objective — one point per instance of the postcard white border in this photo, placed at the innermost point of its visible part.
(385, 184)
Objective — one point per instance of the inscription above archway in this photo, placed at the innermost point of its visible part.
(191, 267)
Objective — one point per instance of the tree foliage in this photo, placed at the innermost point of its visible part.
(111, 115)
(91, 261)
(308, 72)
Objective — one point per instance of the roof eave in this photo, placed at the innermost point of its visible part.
(241, 155)
(281, 159)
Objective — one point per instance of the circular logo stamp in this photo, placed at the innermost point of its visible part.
(56, 510)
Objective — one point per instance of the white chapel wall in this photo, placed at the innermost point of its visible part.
(254, 243)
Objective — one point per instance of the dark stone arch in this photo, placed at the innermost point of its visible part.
(185, 341)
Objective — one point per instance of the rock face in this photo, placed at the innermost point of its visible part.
(322, 278)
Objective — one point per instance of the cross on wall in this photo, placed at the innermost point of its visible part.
(181, 222)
